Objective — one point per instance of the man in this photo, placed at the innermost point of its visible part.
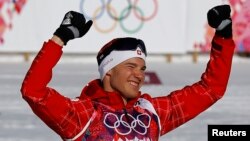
(112, 107)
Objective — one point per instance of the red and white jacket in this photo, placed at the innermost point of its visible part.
(100, 115)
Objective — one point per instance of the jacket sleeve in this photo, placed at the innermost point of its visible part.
(182, 105)
(65, 116)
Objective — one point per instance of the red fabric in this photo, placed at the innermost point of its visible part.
(182, 105)
(68, 117)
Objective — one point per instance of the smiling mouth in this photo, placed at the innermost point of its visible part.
(135, 84)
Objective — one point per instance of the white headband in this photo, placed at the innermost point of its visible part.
(116, 57)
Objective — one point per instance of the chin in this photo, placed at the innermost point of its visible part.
(133, 95)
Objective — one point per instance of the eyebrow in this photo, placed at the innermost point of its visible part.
(134, 64)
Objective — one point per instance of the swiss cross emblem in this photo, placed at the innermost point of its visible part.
(138, 52)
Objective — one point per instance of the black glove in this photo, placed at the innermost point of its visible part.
(219, 18)
(74, 25)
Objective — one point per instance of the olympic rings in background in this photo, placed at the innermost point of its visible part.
(109, 7)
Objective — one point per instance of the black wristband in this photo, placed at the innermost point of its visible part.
(226, 32)
(64, 34)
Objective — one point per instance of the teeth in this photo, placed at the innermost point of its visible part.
(134, 83)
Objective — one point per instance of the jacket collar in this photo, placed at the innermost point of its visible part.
(95, 92)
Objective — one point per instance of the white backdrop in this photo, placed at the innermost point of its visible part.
(197, 19)
(173, 29)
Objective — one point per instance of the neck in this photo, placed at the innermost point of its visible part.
(108, 88)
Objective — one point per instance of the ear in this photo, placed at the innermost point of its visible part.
(109, 73)
(106, 78)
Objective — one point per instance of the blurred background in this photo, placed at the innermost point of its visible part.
(175, 32)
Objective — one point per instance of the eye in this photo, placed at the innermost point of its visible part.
(131, 66)
(143, 68)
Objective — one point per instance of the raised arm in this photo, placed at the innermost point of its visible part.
(63, 115)
(182, 105)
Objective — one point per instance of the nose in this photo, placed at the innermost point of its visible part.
(140, 74)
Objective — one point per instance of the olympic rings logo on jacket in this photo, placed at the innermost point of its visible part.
(116, 17)
(124, 128)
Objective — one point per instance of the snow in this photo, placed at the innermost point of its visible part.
(18, 123)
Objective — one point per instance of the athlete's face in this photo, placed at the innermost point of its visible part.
(128, 77)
